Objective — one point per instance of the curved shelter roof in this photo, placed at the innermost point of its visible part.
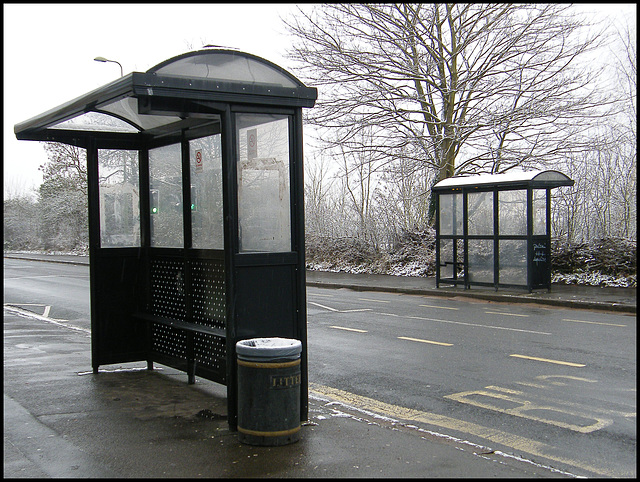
(534, 179)
(175, 94)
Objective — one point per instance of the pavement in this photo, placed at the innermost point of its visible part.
(61, 420)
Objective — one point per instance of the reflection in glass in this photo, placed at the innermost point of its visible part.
(446, 257)
(539, 211)
(226, 66)
(263, 183)
(205, 159)
(96, 121)
(451, 214)
(480, 213)
(119, 198)
(165, 186)
(512, 212)
(513, 262)
(480, 257)
(450, 260)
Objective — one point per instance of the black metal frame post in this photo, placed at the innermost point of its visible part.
(538, 271)
(142, 296)
(94, 243)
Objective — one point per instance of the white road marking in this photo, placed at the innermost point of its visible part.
(348, 329)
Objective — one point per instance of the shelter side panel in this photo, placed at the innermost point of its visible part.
(265, 302)
(119, 337)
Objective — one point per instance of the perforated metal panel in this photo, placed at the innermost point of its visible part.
(208, 292)
(210, 351)
(168, 288)
(191, 291)
(169, 341)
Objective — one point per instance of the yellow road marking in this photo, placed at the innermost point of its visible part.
(557, 362)
(593, 322)
(532, 385)
(544, 413)
(348, 329)
(515, 442)
(424, 341)
(440, 307)
(502, 389)
(505, 314)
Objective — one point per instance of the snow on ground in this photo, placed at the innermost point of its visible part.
(417, 269)
(607, 262)
(595, 279)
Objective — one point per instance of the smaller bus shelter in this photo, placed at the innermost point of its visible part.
(495, 229)
(196, 212)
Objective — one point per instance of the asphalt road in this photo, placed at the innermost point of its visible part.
(537, 382)
(517, 375)
(58, 291)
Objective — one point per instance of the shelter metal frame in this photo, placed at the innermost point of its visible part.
(177, 303)
(495, 230)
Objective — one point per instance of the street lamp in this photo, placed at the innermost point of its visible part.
(102, 59)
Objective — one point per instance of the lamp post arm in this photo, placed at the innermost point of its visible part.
(102, 59)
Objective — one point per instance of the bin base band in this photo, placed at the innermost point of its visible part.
(279, 433)
(268, 365)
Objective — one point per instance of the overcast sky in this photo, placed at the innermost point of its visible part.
(49, 51)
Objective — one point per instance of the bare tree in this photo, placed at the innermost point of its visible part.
(20, 222)
(401, 201)
(62, 198)
(459, 87)
(603, 201)
(627, 70)
(317, 189)
(67, 162)
(358, 177)
(627, 145)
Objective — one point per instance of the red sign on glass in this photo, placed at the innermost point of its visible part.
(199, 166)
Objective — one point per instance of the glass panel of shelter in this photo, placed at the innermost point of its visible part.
(264, 197)
(451, 223)
(165, 195)
(207, 220)
(512, 212)
(119, 198)
(512, 255)
(264, 185)
(480, 223)
(539, 212)
(97, 122)
(118, 172)
(480, 213)
(512, 221)
(480, 260)
(451, 220)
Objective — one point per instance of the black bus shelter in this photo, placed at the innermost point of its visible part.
(495, 229)
(196, 217)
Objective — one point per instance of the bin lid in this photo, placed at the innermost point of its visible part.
(269, 347)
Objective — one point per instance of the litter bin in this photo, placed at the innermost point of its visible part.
(269, 391)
